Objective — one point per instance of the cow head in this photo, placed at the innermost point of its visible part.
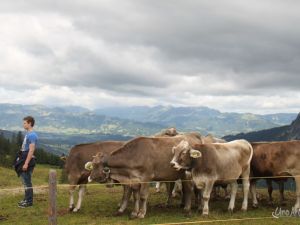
(183, 155)
(98, 167)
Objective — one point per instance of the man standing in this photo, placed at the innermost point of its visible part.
(25, 161)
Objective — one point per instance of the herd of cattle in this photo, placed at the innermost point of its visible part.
(201, 163)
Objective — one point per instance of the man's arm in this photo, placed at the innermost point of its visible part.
(29, 156)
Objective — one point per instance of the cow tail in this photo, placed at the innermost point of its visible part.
(251, 149)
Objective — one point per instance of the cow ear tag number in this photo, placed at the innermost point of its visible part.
(195, 153)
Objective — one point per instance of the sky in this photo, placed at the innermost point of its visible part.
(231, 55)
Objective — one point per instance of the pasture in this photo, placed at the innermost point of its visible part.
(100, 203)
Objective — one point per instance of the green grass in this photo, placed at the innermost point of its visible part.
(100, 203)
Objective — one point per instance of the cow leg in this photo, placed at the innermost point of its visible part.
(187, 189)
(80, 196)
(246, 184)
(227, 195)
(281, 192)
(157, 187)
(214, 193)
(234, 187)
(136, 198)
(125, 199)
(177, 188)
(270, 190)
(170, 189)
(297, 180)
(144, 193)
(71, 192)
(198, 198)
(206, 195)
(254, 195)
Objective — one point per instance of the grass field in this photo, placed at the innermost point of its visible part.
(100, 203)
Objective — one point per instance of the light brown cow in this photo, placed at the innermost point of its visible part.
(140, 161)
(272, 159)
(216, 163)
(78, 156)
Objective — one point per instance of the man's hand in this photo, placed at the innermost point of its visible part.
(29, 156)
(25, 167)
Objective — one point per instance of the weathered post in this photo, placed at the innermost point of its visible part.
(52, 198)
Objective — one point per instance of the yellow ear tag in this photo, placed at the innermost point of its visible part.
(88, 166)
(195, 153)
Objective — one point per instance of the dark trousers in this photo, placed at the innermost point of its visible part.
(26, 179)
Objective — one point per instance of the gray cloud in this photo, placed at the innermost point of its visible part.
(161, 52)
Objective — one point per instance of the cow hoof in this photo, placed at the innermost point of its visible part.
(244, 209)
(205, 214)
(141, 215)
(133, 216)
(283, 203)
(75, 210)
(270, 204)
(255, 206)
(230, 211)
(71, 208)
(118, 213)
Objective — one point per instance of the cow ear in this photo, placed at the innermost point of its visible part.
(195, 153)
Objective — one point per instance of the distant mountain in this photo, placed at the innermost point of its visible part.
(202, 119)
(283, 133)
(72, 120)
(134, 121)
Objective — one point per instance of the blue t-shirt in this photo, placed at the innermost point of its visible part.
(30, 137)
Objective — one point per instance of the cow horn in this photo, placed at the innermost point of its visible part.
(195, 153)
(88, 166)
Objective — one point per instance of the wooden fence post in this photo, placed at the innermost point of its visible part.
(52, 198)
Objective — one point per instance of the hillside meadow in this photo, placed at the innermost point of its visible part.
(100, 203)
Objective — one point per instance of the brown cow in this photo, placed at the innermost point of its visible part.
(213, 163)
(79, 155)
(272, 159)
(140, 161)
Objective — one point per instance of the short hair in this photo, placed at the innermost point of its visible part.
(29, 119)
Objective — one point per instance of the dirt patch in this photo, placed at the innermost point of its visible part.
(62, 212)
(2, 218)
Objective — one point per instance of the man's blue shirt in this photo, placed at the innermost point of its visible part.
(30, 137)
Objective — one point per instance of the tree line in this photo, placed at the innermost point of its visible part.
(9, 148)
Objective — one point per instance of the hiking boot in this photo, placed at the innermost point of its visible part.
(25, 204)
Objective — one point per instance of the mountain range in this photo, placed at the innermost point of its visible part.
(282, 133)
(59, 128)
(133, 121)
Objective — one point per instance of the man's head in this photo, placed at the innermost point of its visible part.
(28, 122)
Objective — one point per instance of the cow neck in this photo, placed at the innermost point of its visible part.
(200, 164)
(115, 160)
(105, 161)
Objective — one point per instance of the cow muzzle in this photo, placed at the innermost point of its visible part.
(175, 165)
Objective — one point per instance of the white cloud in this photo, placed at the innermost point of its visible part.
(231, 55)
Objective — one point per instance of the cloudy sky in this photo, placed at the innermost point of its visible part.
(240, 55)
